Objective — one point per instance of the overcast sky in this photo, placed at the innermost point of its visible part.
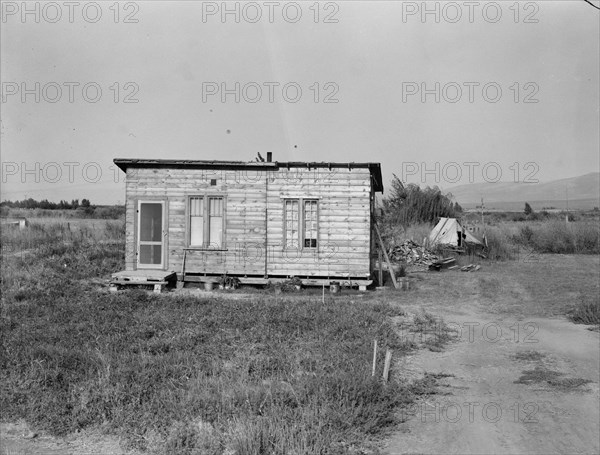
(374, 58)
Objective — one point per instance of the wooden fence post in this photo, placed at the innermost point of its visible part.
(387, 259)
(374, 357)
(380, 266)
(386, 366)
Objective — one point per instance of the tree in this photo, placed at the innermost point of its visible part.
(457, 208)
(409, 204)
(528, 210)
(85, 202)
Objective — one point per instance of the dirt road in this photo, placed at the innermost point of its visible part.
(487, 404)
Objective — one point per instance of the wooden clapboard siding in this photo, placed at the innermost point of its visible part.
(254, 226)
(343, 224)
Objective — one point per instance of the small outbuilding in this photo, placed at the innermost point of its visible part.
(17, 223)
(256, 221)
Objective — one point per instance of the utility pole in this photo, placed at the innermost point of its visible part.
(567, 196)
(483, 223)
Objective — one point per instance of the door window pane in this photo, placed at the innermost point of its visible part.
(150, 254)
(150, 222)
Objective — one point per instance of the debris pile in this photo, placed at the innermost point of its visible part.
(412, 254)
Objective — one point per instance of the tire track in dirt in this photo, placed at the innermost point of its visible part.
(480, 408)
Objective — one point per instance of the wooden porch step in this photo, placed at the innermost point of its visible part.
(143, 277)
(158, 286)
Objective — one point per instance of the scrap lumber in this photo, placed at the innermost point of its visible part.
(442, 264)
(412, 254)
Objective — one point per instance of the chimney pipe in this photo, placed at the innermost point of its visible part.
(269, 157)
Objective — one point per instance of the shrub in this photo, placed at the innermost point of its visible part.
(586, 312)
(499, 245)
(526, 235)
(556, 236)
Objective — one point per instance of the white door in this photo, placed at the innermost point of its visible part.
(151, 245)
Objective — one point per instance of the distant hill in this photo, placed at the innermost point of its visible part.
(583, 193)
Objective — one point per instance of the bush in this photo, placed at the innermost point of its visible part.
(586, 312)
(556, 236)
(499, 245)
(526, 235)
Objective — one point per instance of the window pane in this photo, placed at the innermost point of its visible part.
(196, 221)
(150, 222)
(216, 231)
(216, 206)
(215, 228)
(196, 231)
(150, 254)
(310, 224)
(291, 223)
(196, 206)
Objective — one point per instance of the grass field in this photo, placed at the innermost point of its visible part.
(265, 373)
(178, 374)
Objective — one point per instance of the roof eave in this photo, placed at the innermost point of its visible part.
(124, 163)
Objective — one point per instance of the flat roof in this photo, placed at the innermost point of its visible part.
(124, 163)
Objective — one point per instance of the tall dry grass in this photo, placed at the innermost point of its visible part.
(180, 375)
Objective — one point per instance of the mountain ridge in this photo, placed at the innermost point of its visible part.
(581, 188)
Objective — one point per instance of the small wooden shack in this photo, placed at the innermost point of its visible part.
(257, 221)
(14, 222)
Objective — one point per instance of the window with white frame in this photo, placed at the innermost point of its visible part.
(301, 223)
(215, 224)
(309, 230)
(291, 217)
(206, 221)
(197, 221)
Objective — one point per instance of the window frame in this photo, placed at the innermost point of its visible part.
(301, 222)
(205, 222)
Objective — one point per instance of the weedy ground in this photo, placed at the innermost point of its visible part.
(180, 375)
(265, 374)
